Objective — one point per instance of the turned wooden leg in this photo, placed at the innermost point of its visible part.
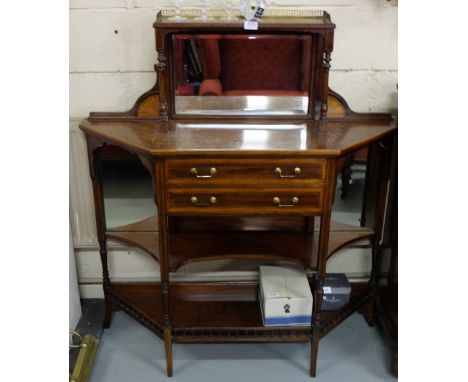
(383, 167)
(322, 264)
(370, 306)
(168, 348)
(314, 351)
(95, 166)
(369, 312)
(109, 306)
(318, 295)
(394, 360)
(107, 314)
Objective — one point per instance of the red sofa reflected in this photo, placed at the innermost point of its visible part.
(238, 65)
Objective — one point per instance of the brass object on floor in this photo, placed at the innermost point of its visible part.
(84, 363)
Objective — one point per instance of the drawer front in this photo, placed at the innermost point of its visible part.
(287, 172)
(216, 201)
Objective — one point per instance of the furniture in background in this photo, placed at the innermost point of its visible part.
(340, 109)
(360, 157)
(387, 296)
(242, 176)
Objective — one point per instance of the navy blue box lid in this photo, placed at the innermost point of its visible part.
(336, 283)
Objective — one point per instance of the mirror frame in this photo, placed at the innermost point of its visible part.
(322, 46)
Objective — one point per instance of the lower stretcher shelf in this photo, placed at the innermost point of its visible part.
(219, 312)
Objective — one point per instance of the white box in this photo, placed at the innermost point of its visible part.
(285, 296)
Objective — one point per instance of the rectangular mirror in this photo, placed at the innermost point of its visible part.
(239, 74)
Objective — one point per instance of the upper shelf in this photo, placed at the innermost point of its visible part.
(295, 18)
(144, 234)
(147, 225)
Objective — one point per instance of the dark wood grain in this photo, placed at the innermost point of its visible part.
(148, 241)
(255, 201)
(288, 246)
(218, 305)
(212, 238)
(239, 223)
(317, 139)
(243, 172)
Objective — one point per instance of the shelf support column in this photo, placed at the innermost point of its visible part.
(158, 184)
(328, 48)
(325, 219)
(95, 165)
(383, 153)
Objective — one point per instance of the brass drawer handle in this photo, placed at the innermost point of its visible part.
(194, 200)
(194, 171)
(294, 201)
(279, 172)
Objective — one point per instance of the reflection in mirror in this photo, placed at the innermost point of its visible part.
(251, 136)
(243, 126)
(349, 209)
(234, 74)
(128, 192)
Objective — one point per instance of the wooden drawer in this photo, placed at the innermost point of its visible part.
(287, 172)
(218, 201)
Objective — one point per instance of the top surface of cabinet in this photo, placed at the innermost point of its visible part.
(218, 137)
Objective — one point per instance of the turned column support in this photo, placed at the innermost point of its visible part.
(325, 219)
(326, 59)
(163, 74)
(383, 151)
(95, 165)
(158, 182)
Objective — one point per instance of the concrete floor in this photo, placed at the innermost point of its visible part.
(130, 352)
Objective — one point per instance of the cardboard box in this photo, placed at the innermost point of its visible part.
(285, 296)
(336, 291)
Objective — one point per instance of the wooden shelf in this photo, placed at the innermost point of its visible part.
(144, 235)
(147, 241)
(286, 246)
(341, 234)
(147, 225)
(215, 312)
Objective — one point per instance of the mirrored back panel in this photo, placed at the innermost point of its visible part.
(239, 74)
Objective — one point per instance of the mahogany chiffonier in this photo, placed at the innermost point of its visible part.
(243, 141)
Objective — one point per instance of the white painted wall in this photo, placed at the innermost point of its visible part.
(74, 294)
(109, 70)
